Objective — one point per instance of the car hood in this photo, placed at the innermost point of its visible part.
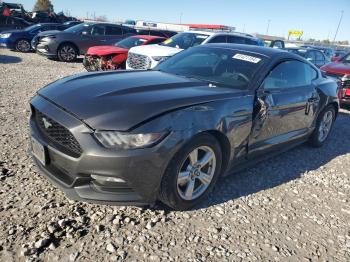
(106, 50)
(155, 50)
(46, 33)
(122, 100)
(337, 68)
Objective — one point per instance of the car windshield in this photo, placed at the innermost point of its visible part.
(130, 42)
(218, 67)
(346, 58)
(185, 40)
(77, 28)
(32, 27)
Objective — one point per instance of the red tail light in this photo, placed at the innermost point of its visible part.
(347, 92)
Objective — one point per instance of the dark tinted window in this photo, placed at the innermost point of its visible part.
(128, 30)
(218, 39)
(290, 74)
(310, 55)
(319, 56)
(113, 30)
(156, 41)
(236, 39)
(98, 30)
(251, 42)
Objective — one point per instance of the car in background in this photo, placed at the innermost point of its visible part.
(20, 40)
(72, 23)
(103, 58)
(11, 23)
(338, 54)
(168, 134)
(162, 33)
(339, 70)
(72, 42)
(315, 56)
(329, 52)
(146, 57)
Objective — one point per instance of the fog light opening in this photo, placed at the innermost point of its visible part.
(107, 179)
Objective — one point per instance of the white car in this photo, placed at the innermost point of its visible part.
(148, 56)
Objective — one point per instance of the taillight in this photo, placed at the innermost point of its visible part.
(347, 92)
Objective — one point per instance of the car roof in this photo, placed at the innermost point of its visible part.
(211, 33)
(264, 51)
(49, 24)
(148, 37)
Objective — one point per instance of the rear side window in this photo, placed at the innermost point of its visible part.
(290, 74)
(319, 56)
(218, 39)
(236, 39)
(114, 30)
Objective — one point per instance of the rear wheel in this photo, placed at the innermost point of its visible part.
(67, 53)
(324, 126)
(23, 46)
(192, 173)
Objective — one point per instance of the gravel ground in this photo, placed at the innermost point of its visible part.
(292, 207)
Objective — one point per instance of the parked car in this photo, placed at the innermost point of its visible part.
(313, 55)
(75, 41)
(146, 57)
(134, 137)
(329, 52)
(11, 23)
(103, 58)
(339, 70)
(20, 40)
(162, 33)
(338, 54)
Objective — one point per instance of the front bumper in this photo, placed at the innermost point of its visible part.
(141, 169)
(7, 43)
(46, 49)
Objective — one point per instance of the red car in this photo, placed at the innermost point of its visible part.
(340, 71)
(103, 58)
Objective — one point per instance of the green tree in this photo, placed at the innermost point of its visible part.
(43, 5)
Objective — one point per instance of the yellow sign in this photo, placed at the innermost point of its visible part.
(295, 33)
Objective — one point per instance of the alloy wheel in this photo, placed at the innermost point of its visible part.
(196, 173)
(67, 53)
(325, 126)
(23, 46)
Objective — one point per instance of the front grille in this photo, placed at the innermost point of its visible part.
(137, 61)
(58, 136)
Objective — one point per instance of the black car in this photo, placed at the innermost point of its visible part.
(168, 134)
(315, 56)
(10, 23)
(75, 41)
(162, 33)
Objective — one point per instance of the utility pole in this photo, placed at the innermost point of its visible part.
(336, 32)
(180, 18)
(268, 26)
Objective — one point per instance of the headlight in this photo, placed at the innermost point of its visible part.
(48, 38)
(114, 139)
(5, 35)
(160, 58)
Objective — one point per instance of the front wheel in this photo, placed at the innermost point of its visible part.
(192, 173)
(324, 124)
(67, 53)
(23, 46)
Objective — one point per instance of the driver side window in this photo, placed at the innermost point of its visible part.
(289, 74)
(98, 30)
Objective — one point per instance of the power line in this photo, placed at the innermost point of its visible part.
(336, 32)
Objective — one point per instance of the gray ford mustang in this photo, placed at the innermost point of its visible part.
(168, 134)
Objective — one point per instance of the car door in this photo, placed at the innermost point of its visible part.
(93, 36)
(285, 106)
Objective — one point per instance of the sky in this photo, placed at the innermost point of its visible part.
(317, 18)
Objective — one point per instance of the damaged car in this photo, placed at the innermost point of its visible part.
(103, 58)
(168, 134)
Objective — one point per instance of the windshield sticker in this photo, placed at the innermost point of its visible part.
(247, 58)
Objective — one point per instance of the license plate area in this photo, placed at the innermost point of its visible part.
(39, 151)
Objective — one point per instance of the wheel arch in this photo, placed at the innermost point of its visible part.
(70, 43)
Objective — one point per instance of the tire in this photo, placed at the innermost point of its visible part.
(23, 45)
(175, 191)
(324, 120)
(67, 53)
